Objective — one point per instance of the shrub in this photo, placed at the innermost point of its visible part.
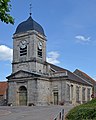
(85, 111)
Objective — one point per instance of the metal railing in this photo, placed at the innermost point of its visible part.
(60, 115)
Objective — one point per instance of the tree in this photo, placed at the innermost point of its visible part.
(5, 8)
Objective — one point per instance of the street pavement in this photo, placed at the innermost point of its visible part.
(31, 112)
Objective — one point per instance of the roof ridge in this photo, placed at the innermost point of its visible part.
(82, 79)
(86, 75)
(57, 66)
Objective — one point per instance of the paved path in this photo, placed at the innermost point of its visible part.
(31, 113)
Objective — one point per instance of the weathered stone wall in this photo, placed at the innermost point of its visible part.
(31, 61)
(43, 88)
(60, 87)
(32, 92)
(12, 93)
(3, 101)
(73, 92)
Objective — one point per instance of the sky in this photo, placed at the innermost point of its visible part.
(70, 28)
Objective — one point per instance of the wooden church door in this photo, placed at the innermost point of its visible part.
(22, 95)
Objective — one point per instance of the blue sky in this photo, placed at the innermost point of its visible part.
(70, 27)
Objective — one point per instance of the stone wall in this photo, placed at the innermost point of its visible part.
(32, 92)
(78, 93)
(43, 87)
(12, 93)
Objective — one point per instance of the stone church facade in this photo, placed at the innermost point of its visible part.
(34, 81)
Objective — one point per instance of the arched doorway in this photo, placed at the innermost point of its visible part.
(22, 95)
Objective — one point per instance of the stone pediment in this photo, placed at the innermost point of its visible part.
(23, 74)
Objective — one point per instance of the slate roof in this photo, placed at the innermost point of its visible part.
(29, 24)
(70, 75)
(56, 68)
(3, 87)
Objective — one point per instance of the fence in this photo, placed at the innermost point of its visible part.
(60, 115)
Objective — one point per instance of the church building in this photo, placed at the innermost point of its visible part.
(34, 81)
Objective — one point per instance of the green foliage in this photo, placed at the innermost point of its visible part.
(83, 112)
(4, 10)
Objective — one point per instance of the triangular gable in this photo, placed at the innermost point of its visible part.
(22, 74)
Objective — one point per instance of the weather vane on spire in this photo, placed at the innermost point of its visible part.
(30, 9)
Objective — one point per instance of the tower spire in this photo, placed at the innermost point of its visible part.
(30, 9)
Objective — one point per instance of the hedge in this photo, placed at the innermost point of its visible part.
(83, 112)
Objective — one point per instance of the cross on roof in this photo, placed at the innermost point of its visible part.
(30, 9)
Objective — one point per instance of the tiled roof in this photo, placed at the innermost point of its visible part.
(84, 76)
(3, 87)
(71, 76)
(77, 78)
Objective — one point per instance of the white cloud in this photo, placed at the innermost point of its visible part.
(53, 57)
(6, 53)
(81, 38)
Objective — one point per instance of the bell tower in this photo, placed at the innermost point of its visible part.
(29, 47)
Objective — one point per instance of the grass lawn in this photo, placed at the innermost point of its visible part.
(85, 111)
